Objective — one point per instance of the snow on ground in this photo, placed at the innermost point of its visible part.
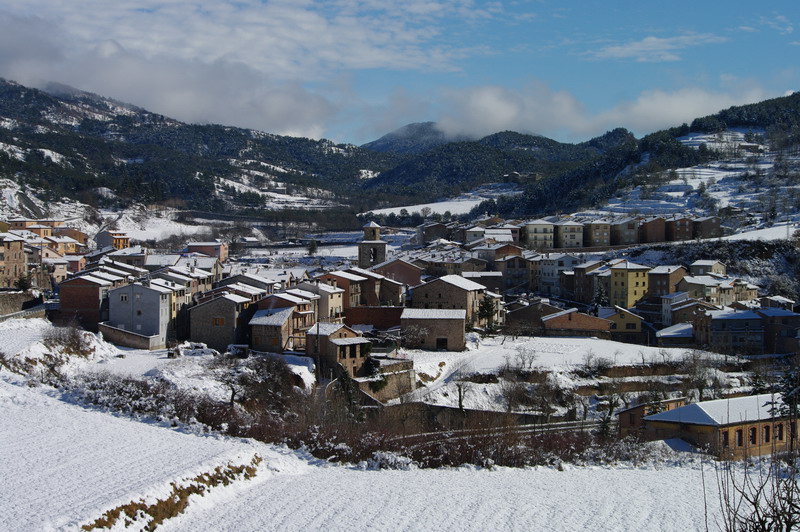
(730, 181)
(585, 498)
(146, 225)
(67, 464)
(14, 151)
(461, 204)
(487, 355)
(439, 371)
(21, 334)
(776, 232)
(52, 155)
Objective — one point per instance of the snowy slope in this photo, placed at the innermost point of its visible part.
(68, 464)
(461, 204)
(341, 499)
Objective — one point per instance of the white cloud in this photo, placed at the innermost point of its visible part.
(480, 111)
(483, 110)
(247, 62)
(779, 23)
(657, 109)
(655, 49)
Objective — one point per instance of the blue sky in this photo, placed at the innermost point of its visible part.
(352, 70)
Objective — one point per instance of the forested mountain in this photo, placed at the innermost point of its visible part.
(413, 138)
(626, 162)
(65, 142)
(72, 143)
(453, 167)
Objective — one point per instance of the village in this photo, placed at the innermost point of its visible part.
(542, 278)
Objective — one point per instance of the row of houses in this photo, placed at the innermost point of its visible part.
(509, 269)
(48, 250)
(574, 232)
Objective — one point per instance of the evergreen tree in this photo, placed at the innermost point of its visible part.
(600, 296)
(486, 311)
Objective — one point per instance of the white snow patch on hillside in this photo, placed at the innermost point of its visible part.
(778, 231)
(53, 156)
(8, 123)
(461, 204)
(739, 179)
(561, 356)
(241, 163)
(141, 224)
(14, 151)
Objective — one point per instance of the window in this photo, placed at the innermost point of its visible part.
(218, 322)
(765, 434)
(752, 436)
(123, 298)
(725, 442)
(779, 432)
(630, 326)
(739, 438)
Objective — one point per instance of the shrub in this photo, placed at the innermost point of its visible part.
(69, 340)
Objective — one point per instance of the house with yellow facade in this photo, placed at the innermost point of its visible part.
(735, 427)
(627, 283)
(626, 326)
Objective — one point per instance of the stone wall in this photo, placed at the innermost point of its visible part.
(130, 339)
(16, 301)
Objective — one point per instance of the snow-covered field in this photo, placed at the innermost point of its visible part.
(461, 204)
(64, 465)
(585, 498)
(439, 371)
(68, 464)
(155, 225)
(776, 232)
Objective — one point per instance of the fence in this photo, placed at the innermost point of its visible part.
(38, 311)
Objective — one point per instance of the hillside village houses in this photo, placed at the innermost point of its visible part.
(533, 276)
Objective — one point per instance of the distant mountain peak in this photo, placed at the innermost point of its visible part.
(414, 138)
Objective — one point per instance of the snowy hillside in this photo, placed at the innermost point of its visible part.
(86, 462)
(461, 204)
(71, 465)
(748, 177)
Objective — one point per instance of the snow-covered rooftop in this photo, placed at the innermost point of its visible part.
(433, 314)
(236, 299)
(324, 329)
(722, 411)
(461, 282)
(349, 276)
(274, 316)
(679, 330)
